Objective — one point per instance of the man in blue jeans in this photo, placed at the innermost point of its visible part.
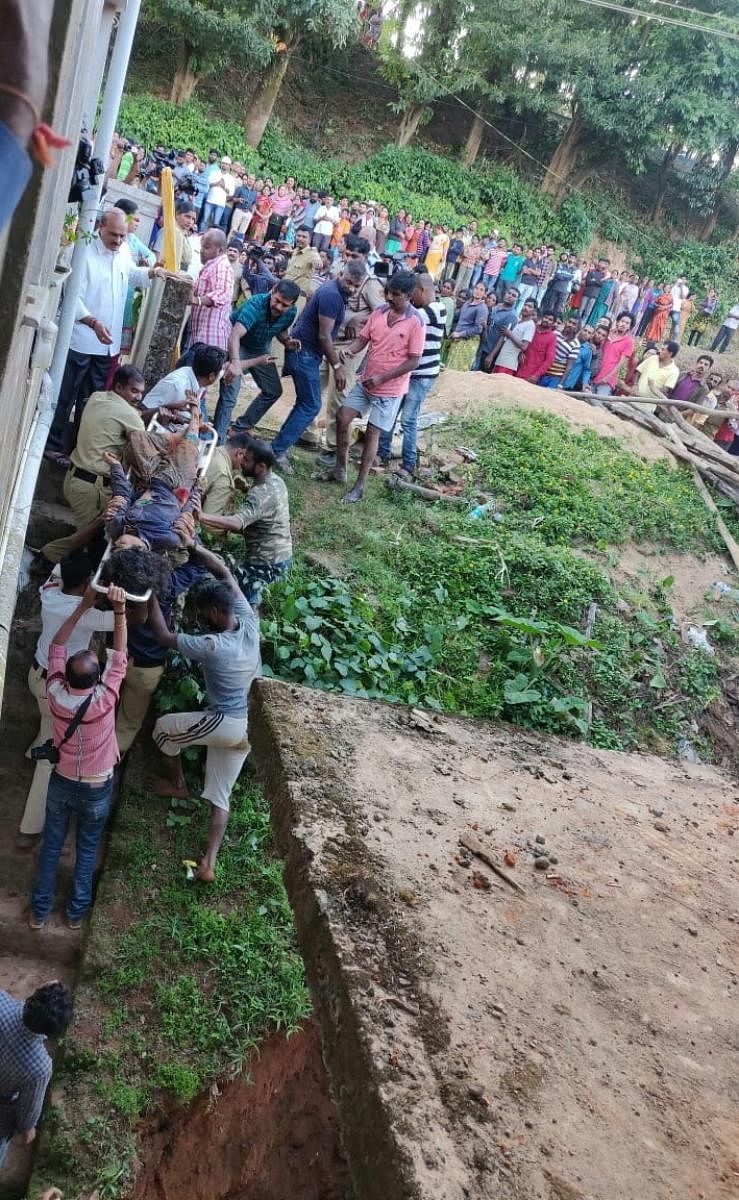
(433, 314)
(79, 694)
(255, 323)
(314, 332)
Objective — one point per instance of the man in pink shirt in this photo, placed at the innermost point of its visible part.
(84, 751)
(210, 315)
(395, 335)
(495, 260)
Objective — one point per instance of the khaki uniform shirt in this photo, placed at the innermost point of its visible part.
(265, 519)
(371, 295)
(218, 486)
(106, 422)
(302, 267)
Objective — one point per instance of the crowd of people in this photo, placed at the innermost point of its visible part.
(365, 309)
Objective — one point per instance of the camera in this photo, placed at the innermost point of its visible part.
(48, 752)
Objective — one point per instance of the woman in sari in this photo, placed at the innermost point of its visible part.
(600, 308)
(382, 225)
(281, 205)
(699, 320)
(262, 214)
(436, 253)
(410, 240)
(460, 349)
(424, 240)
(397, 233)
(655, 331)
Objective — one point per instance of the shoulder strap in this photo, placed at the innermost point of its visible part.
(76, 721)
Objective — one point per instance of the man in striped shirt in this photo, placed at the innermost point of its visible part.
(211, 297)
(567, 351)
(433, 315)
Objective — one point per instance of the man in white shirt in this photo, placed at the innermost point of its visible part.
(222, 187)
(679, 293)
(96, 340)
(723, 338)
(60, 596)
(326, 220)
(514, 340)
(194, 377)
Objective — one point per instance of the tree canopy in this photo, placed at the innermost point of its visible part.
(577, 86)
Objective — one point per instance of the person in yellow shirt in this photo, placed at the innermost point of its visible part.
(437, 252)
(658, 373)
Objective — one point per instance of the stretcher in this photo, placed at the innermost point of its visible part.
(205, 455)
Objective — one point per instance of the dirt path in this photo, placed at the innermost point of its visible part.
(466, 392)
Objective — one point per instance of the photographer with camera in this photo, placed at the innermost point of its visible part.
(83, 751)
(60, 597)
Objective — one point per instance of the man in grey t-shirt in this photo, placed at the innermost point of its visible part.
(229, 653)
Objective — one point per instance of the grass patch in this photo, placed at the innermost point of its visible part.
(487, 618)
(180, 983)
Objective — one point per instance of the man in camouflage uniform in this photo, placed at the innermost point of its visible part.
(263, 517)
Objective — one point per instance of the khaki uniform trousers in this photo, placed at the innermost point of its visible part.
(34, 814)
(334, 398)
(86, 501)
(138, 688)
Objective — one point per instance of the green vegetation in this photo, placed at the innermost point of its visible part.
(488, 618)
(180, 982)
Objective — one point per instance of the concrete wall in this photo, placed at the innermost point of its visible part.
(29, 284)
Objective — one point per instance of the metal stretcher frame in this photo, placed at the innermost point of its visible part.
(205, 455)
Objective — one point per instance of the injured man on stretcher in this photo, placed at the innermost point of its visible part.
(151, 504)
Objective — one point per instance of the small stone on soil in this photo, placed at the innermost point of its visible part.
(541, 862)
(540, 839)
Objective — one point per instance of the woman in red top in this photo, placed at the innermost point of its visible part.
(410, 241)
(262, 214)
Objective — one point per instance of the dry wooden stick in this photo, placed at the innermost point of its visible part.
(471, 843)
(666, 403)
(730, 542)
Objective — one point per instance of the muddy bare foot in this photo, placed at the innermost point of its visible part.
(165, 787)
(205, 873)
(353, 496)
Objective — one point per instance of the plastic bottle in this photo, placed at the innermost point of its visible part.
(477, 513)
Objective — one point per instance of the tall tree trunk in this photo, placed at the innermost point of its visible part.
(185, 78)
(263, 99)
(409, 123)
(668, 159)
(564, 159)
(708, 228)
(474, 141)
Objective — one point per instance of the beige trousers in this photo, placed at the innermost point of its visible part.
(334, 398)
(241, 221)
(138, 688)
(32, 821)
(86, 500)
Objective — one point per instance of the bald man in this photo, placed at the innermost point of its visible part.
(96, 339)
(211, 297)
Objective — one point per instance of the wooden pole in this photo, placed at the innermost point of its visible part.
(666, 403)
